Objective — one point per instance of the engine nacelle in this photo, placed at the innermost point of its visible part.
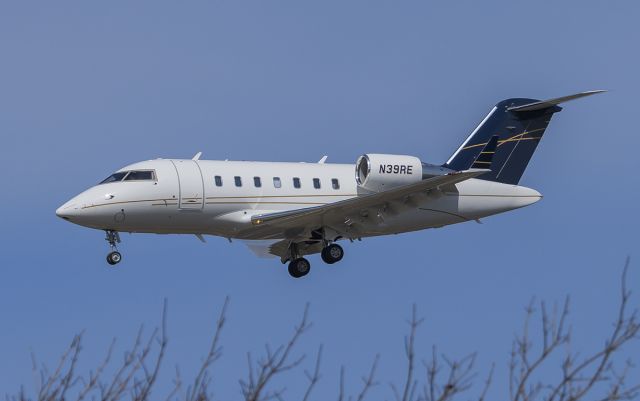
(377, 172)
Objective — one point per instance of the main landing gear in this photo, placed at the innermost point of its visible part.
(300, 267)
(114, 257)
(332, 253)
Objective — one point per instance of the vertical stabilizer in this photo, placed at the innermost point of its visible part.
(519, 125)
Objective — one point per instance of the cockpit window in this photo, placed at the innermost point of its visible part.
(114, 177)
(145, 175)
(135, 175)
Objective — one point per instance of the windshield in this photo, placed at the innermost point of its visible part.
(135, 175)
(139, 176)
(114, 177)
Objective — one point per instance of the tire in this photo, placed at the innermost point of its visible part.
(299, 267)
(114, 258)
(332, 254)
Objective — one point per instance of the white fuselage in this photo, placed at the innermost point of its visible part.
(185, 196)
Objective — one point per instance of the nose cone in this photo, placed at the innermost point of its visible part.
(68, 211)
(82, 209)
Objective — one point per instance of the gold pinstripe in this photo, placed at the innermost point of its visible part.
(514, 138)
(276, 196)
(267, 203)
(174, 203)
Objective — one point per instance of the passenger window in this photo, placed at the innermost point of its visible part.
(257, 182)
(218, 180)
(238, 181)
(335, 184)
(316, 183)
(140, 176)
(114, 177)
(276, 182)
(296, 182)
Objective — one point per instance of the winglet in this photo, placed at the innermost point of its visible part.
(485, 157)
(324, 159)
(545, 104)
(197, 156)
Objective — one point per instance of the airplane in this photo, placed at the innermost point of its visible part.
(290, 210)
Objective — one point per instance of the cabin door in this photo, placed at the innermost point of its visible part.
(191, 184)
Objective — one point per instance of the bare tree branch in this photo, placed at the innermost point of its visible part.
(579, 378)
(274, 363)
(369, 381)
(409, 350)
(313, 379)
(144, 389)
(199, 389)
(598, 375)
(341, 386)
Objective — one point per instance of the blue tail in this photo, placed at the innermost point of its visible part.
(519, 125)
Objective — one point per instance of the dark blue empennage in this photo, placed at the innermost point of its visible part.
(516, 135)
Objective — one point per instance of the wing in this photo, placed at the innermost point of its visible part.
(296, 224)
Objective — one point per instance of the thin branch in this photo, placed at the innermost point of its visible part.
(341, 386)
(409, 349)
(313, 379)
(369, 381)
(274, 363)
(199, 388)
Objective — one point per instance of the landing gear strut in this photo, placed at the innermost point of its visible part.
(332, 253)
(113, 238)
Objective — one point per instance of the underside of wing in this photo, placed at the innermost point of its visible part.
(267, 248)
(280, 248)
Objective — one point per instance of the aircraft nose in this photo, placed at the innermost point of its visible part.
(67, 211)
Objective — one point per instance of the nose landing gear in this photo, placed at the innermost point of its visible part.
(114, 257)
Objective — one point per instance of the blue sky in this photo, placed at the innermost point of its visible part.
(87, 87)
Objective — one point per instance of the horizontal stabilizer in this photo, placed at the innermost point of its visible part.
(545, 104)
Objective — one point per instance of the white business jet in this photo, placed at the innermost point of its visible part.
(290, 210)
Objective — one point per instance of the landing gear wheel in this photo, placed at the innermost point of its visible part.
(332, 253)
(113, 258)
(299, 267)
(113, 238)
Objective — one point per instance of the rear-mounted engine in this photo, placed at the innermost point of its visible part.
(379, 172)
